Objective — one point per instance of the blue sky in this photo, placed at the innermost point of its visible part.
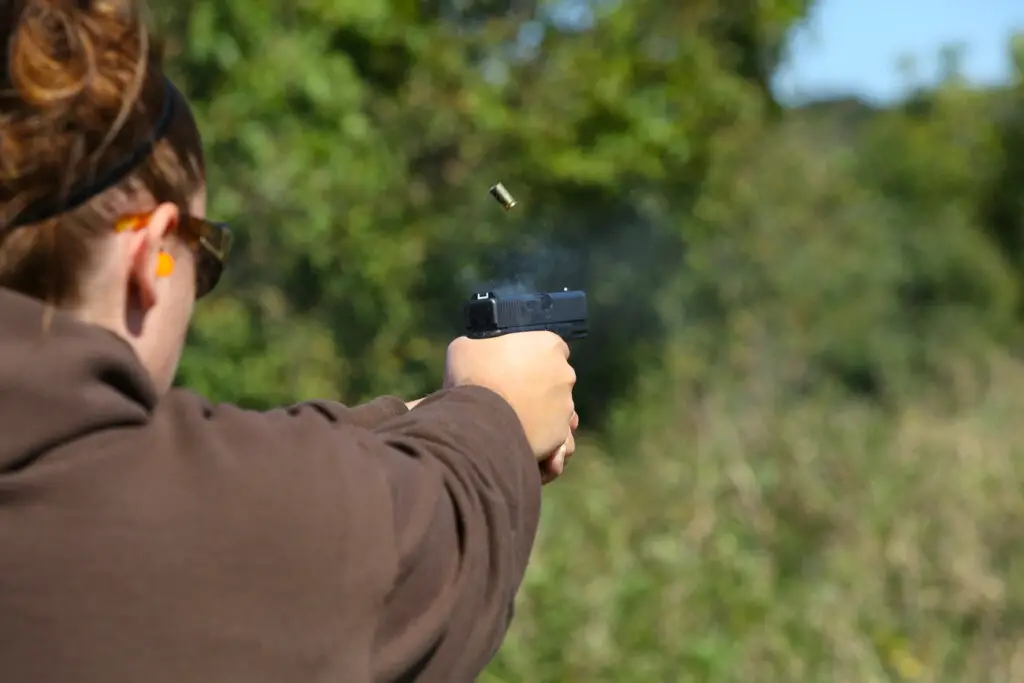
(853, 46)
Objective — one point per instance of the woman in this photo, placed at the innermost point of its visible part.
(148, 536)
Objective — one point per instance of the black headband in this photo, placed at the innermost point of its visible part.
(42, 211)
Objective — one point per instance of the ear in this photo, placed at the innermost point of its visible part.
(145, 250)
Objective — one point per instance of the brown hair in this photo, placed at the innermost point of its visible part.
(82, 89)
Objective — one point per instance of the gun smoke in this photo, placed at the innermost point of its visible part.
(630, 267)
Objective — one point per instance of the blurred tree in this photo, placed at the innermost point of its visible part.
(1004, 205)
(352, 145)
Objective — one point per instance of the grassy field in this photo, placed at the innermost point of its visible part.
(754, 537)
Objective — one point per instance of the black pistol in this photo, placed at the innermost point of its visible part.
(490, 315)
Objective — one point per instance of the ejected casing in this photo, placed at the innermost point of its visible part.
(503, 196)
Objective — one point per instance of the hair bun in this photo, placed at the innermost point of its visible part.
(52, 54)
(73, 74)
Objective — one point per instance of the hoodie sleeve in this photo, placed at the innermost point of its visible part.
(410, 530)
(465, 522)
(369, 414)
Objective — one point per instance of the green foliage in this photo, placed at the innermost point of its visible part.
(353, 150)
(801, 459)
(770, 537)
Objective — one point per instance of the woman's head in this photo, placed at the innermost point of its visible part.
(102, 184)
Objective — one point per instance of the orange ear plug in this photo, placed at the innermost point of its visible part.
(164, 264)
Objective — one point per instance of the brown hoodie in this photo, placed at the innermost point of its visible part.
(165, 540)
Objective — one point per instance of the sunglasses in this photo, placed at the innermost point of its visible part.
(209, 241)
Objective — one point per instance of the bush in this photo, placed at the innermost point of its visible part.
(756, 536)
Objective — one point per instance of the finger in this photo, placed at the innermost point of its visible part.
(563, 347)
(565, 461)
(552, 467)
(559, 455)
(574, 421)
(558, 462)
(569, 447)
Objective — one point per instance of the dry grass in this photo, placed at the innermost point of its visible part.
(756, 539)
